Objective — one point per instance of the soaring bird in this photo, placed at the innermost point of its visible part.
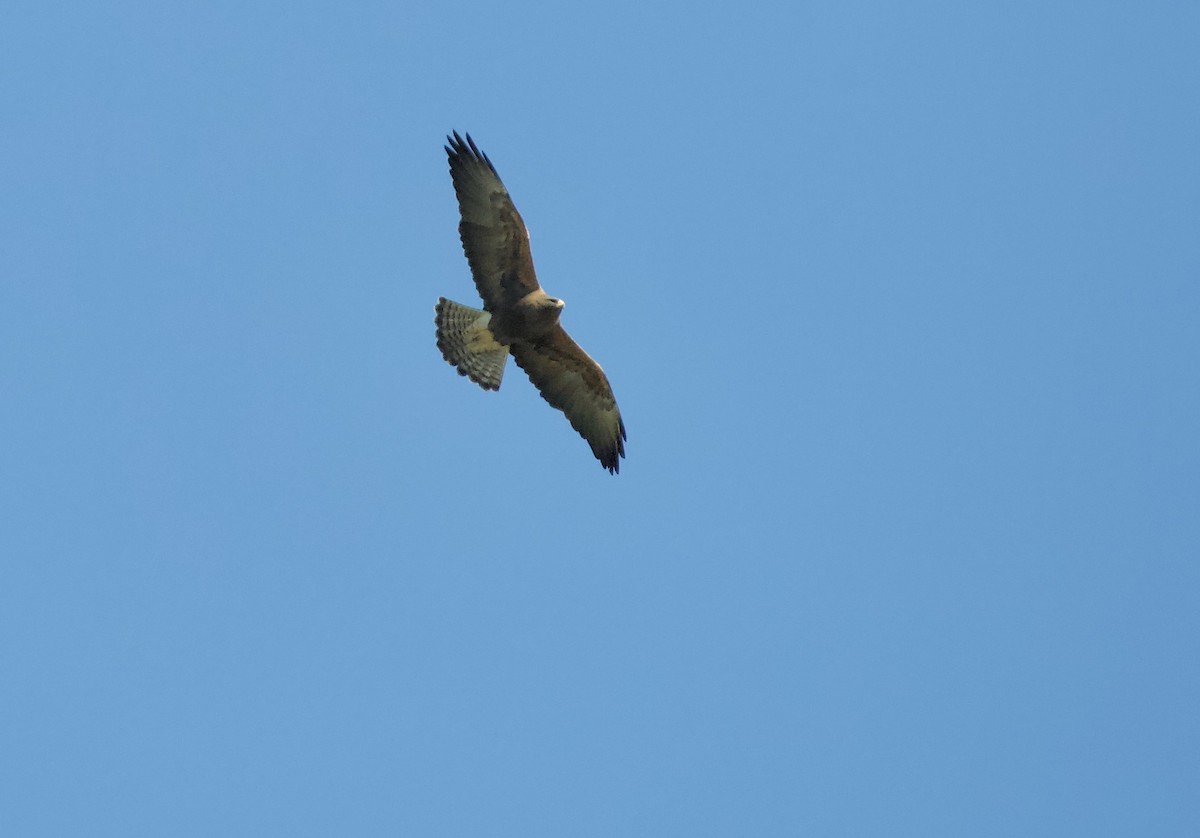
(518, 317)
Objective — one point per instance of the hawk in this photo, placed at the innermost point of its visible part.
(518, 317)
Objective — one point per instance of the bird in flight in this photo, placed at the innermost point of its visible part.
(518, 317)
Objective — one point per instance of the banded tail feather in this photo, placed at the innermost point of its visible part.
(467, 343)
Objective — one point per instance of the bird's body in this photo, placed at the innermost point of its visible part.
(528, 319)
(518, 317)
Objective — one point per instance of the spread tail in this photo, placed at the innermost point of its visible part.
(467, 343)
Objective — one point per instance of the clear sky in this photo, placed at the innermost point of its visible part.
(901, 304)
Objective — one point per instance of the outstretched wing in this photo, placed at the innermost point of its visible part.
(574, 383)
(492, 232)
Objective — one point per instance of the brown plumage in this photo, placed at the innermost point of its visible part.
(518, 316)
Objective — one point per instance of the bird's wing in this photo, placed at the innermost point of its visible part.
(492, 232)
(574, 383)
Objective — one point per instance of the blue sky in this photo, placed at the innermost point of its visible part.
(901, 306)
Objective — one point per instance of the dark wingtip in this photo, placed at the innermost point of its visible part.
(460, 150)
(612, 457)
